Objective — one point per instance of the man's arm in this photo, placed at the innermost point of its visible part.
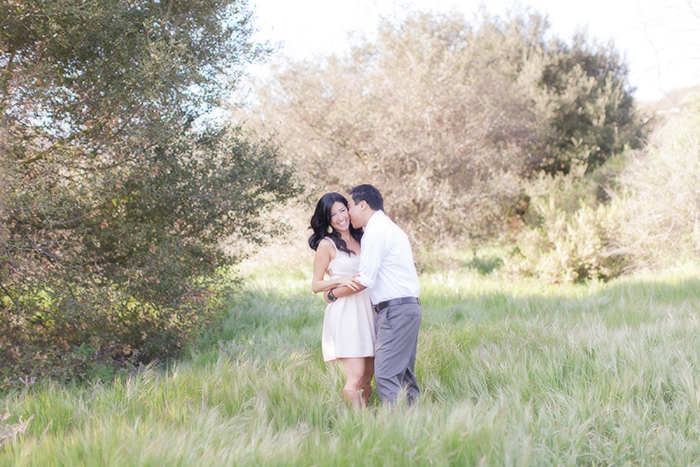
(370, 259)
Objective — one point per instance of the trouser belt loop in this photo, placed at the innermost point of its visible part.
(395, 302)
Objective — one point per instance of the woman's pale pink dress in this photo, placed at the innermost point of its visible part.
(348, 325)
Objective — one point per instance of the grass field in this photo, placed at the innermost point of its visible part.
(512, 373)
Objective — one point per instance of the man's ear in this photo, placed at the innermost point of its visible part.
(363, 205)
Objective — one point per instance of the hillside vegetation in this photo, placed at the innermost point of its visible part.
(453, 119)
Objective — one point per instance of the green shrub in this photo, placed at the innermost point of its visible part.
(563, 243)
(569, 247)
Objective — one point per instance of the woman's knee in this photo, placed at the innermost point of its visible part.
(354, 371)
(354, 376)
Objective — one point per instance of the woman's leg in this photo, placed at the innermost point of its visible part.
(354, 374)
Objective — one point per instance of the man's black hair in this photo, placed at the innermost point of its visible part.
(370, 194)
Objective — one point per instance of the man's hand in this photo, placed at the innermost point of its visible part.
(349, 282)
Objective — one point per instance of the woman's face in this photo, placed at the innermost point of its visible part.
(340, 218)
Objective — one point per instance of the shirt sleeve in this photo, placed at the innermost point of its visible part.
(370, 259)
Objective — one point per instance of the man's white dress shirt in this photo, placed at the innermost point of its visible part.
(386, 261)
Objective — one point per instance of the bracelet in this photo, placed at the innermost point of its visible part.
(332, 297)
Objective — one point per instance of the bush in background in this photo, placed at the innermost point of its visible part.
(569, 247)
(650, 218)
(592, 111)
(116, 190)
(567, 236)
(658, 195)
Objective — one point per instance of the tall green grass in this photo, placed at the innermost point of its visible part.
(512, 373)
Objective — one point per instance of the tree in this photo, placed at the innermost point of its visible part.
(433, 113)
(593, 113)
(116, 190)
(448, 118)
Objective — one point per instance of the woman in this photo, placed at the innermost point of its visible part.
(348, 325)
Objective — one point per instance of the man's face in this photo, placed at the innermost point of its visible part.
(356, 213)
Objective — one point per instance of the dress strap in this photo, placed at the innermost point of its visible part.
(332, 242)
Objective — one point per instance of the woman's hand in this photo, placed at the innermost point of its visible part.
(349, 282)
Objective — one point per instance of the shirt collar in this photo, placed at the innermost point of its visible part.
(376, 215)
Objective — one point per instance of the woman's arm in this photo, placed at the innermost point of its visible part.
(344, 290)
(324, 255)
(322, 258)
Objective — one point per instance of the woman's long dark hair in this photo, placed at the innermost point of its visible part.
(321, 220)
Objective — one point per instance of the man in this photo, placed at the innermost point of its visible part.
(388, 271)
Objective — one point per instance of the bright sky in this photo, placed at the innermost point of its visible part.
(660, 39)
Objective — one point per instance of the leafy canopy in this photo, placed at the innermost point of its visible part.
(116, 188)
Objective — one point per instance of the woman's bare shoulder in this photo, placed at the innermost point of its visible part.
(326, 246)
(326, 243)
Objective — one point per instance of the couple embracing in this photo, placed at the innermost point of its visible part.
(373, 316)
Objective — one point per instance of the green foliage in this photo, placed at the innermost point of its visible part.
(116, 192)
(569, 247)
(592, 109)
(567, 236)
